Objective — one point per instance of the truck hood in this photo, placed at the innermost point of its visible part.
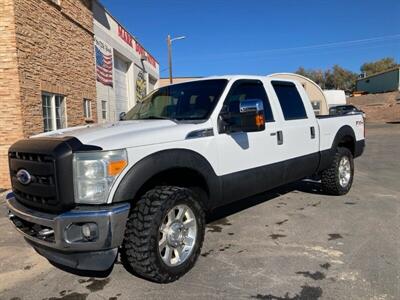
(126, 134)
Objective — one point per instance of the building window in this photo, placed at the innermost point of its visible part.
(54, 116)
(87, 108)
(104, 110)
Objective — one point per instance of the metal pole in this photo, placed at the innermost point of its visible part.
(169, 57)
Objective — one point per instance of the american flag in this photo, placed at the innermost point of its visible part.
(104, 67)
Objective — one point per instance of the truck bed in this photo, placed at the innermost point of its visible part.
(329, 125)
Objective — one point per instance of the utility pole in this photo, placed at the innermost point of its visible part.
(169, 45)
(169, 58)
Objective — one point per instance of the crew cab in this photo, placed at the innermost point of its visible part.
(142, 186)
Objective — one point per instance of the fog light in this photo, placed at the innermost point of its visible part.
(89, 231)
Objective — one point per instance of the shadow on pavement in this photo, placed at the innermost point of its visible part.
(305, 186)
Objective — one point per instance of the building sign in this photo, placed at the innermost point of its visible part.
(141, 86)
(123, 34)
(104, 63)
(127, 38)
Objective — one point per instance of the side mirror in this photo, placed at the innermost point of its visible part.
(249, 116)
(122, 116)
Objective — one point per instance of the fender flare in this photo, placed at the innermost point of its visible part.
(328, 155)
(165, 160)
(344, 131)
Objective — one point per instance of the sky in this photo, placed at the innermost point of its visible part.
(262, 36)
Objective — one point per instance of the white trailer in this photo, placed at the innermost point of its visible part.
(335, 97)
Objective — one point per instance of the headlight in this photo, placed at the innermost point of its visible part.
(95, 173)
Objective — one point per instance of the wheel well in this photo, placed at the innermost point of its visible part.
(183, 177)
(347, 142)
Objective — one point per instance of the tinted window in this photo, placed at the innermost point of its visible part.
(290, 100)
(185, 101)
(245, 90)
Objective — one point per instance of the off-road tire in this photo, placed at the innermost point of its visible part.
(139, 251)
(330, 177)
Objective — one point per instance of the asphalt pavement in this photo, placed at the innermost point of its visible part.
(293, 243)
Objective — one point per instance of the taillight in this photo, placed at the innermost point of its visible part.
(365, 130)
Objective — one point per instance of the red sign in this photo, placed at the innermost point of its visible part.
(123, 34)
(127, 38)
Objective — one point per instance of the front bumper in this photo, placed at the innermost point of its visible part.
(57, 236)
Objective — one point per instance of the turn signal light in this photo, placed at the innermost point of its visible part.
(260, 120)
(116, 167)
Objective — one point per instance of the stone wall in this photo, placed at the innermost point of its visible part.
(44, 47)
(10, 105)
(55, 54)
(383, 107)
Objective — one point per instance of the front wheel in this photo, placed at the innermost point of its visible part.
(164, 234)
(338, 179)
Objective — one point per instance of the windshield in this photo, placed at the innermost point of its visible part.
(185, 101)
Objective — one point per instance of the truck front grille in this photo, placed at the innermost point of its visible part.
(41, 192)
(48, 160)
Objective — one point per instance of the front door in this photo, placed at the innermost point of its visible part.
(248, 160)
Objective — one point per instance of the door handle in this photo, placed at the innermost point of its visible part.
(312, 132)
(279, 137)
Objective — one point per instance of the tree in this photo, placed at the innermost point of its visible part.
(343, 79)
(377, 66)
(329, 80)
(315, 75)
(337, 78)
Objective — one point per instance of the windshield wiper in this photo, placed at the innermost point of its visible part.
(156, 118)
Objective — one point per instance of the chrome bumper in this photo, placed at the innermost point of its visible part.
(55, 235)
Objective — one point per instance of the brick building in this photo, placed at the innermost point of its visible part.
(65, 63)
(47, 78)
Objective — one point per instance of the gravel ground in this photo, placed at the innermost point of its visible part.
(291, 243)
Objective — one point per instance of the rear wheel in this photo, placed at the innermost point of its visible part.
(164, 234)
(338, 178)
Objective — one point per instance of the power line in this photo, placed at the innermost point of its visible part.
(340, 44)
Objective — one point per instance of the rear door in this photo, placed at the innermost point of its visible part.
(299, 132)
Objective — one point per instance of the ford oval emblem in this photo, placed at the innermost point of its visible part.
(24, 177)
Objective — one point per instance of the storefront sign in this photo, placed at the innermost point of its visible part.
(123, 34)
(127, 38)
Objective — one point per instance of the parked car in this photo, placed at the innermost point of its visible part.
(345, 110)
(142, 186)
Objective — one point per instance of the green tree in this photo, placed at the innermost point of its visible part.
(377, 66)
(329, 80)
(343, 79)
(337, 78)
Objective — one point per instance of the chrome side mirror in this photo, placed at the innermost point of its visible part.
(122, 116)
(252, 115)
(244, 116)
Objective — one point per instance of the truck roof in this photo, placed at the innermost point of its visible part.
(230, 77)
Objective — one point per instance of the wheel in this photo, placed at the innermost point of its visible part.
(338, 178)
(164, 234)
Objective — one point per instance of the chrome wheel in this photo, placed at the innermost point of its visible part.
(344, 171)
(177, 235)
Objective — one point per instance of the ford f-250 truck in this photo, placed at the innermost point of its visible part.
(142, 186)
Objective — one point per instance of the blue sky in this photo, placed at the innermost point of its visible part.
(261, 36)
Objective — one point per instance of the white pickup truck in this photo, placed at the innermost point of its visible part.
(142, 186)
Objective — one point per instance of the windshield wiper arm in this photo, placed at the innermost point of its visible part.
(157, 118)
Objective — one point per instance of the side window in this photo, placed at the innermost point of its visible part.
(290, 100)
(245, 89)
